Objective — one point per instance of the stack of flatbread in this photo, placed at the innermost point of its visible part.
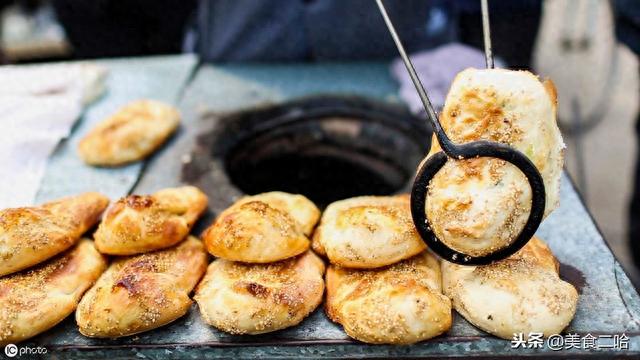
(156, 263)
(45, 265)
(265, 278)
(382, 286)
(477, 206)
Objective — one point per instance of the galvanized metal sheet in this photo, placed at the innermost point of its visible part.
(161, 78)
(608, 303)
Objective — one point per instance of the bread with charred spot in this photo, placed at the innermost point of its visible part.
(142, 292)
(520, 294)
(398, 304)
(31, 235)
(368, 232)
(141, 223)
(34, 300)
(258, 298)
(263, 228)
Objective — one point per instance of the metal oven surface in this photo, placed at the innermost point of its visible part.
(608, 302)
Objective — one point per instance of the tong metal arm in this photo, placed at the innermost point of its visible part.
(451, 150)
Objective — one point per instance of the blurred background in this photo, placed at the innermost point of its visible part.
(588, 47)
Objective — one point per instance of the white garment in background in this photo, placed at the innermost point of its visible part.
(38, 107)
(437, 68)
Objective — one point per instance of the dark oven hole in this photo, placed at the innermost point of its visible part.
(326, 148)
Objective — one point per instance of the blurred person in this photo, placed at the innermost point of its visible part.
(106, 28)
(627, 19)
(3, 5)
(299, 30)
(514, 25)
(26, 5)
(291, 30)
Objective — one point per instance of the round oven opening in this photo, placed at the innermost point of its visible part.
(327, 148)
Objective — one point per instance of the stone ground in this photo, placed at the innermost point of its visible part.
(596, 79)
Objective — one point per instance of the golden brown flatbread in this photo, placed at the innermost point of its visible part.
(142, 292)
(31, 235)
(258, 298)
(141, 223)
(34, 300)
(263, 228)
(131, 134)
(477, 206)
(520, 294)
(399, 304)
(368, 232)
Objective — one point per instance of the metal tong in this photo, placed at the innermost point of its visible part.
(470, 150)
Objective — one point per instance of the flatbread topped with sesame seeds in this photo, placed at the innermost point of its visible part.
(398, 304)
(258, 298)
(31, 235)
(520, 294)
(34, 300)
(263, 228)
(478, 206)
(142, 292)
(368, 232)
(141, 223)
